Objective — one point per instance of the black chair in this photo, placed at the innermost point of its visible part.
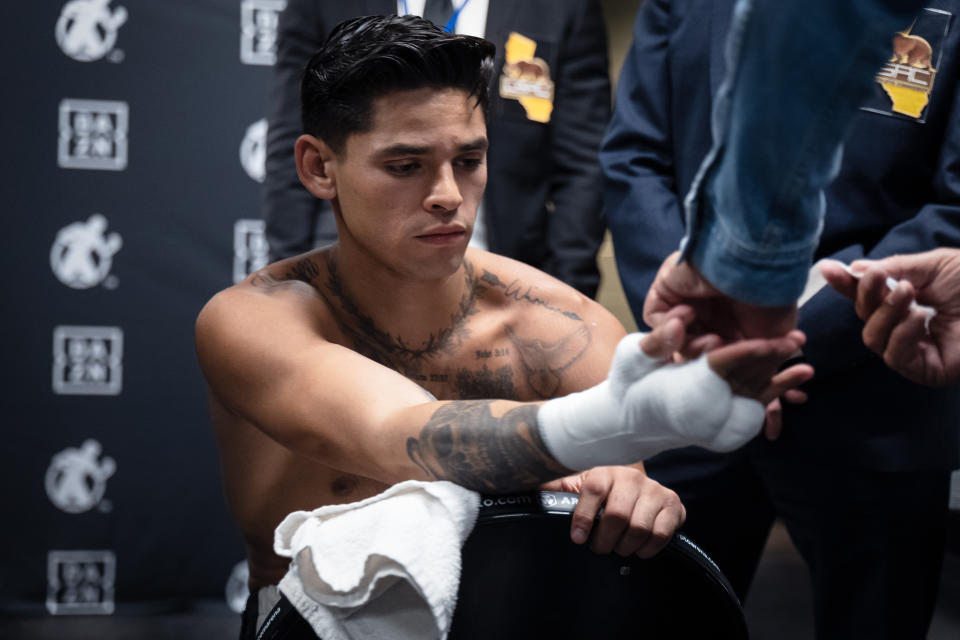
(523, 578)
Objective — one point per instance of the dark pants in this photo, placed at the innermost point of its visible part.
(873, 541)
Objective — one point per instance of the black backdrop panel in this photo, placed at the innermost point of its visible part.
(122, 191)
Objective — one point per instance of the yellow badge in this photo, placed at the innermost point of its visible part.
(526, 79)
(905, 82)
(908, 76)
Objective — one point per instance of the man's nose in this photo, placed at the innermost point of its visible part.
(444, 192)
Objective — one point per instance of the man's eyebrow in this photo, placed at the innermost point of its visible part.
(480, 144)
(403, 149)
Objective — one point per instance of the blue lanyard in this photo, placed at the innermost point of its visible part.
(451, 23)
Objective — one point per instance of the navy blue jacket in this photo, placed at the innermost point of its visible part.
(898, 192)
(543, 199)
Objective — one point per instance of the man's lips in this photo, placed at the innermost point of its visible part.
(442, 235)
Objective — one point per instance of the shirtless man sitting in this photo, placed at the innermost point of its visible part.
(401, 354)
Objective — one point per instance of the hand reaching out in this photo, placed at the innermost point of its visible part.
(895, 330)
(680, 284)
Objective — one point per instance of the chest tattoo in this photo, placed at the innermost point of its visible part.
(545, 362)
(485, 383)
(522, 293)
(391, 351)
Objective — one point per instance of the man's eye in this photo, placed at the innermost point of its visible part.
(470, 163)
(403, 169)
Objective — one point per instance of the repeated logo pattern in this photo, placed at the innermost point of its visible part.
(77, 479)
(93, 134)
(82, 253)
(80, 582)
(87, 29)
(87, 360)
(249, 248)
(236, 590)
(253, 150)
(258, 30)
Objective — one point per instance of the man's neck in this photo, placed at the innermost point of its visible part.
(401, 322)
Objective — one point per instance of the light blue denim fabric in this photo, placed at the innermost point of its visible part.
(797, 70)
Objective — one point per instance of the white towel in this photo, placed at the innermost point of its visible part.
(385, 567)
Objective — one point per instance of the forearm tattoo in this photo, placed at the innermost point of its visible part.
(464, 443)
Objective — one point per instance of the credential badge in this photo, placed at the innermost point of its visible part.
(526, 78)
(93, 134)
(80, 582)
(908, 77)
(87, 360)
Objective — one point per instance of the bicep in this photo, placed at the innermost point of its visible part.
(273, 368)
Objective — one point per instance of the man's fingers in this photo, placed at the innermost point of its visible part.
(593, 490)
(773, 424)
(894, 309)
(871, 291)
(625, 523)
(902, 349)
(675, 283)
(668, 520)
(624, 514)
(699, 345)
(918, 268)
(759, 354)
(795, 396)
(787, 379)
(665, 339)
(838, 278)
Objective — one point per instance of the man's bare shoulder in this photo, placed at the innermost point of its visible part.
(280, 302)
(281, 287)
(533, 294)
(564, 340)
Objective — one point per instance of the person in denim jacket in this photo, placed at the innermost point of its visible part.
(860, 472)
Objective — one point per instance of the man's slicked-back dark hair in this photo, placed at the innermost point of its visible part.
(368, 57)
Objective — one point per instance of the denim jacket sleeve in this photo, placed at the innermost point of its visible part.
(755, 211)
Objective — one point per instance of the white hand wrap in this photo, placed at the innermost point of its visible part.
(645, 407)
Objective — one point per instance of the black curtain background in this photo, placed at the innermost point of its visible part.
(126, 207)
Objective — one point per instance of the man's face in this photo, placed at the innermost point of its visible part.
(409, 188)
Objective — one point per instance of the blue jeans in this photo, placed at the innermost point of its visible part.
(797, 70)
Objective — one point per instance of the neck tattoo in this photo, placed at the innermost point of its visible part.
(392, 351)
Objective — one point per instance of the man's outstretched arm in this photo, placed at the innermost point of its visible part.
(267, 363)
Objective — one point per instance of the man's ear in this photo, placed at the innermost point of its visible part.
(316, 166)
